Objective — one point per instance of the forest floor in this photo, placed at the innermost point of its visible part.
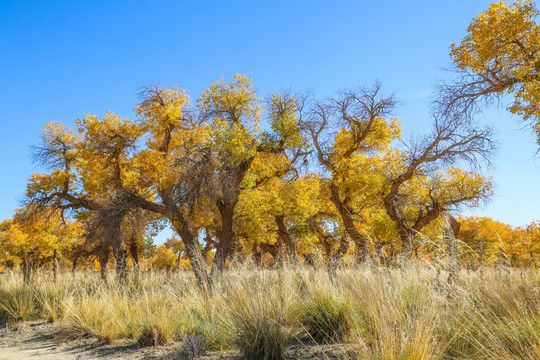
(38, 340)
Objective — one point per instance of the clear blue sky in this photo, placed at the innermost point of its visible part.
(61, 59)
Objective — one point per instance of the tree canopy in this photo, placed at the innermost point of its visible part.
(285, 176)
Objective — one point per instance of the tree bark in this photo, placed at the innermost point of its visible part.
(226, 205)
(103, 261)
(199, 266)
(348, 222)
(183, 229)
(285, 236)
(134, 252)
(225, 240)
(120, 256)
(407, 245)
(193, 252)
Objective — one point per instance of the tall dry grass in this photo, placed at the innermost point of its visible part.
(377, 313)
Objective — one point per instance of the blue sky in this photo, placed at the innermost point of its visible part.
(62, 59)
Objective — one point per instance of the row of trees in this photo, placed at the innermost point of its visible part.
(290, 175)
(322, 172)
(482, 241)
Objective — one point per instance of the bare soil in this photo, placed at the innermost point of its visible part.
(38, 341)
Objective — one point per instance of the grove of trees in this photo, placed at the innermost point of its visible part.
(283, 178)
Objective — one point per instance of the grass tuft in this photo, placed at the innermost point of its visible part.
(17, 302)
(258, 316)
(324, 317)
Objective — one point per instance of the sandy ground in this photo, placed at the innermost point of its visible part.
(36, 341)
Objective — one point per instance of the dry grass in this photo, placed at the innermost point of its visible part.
(407, 313)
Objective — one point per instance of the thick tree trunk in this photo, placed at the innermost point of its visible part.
(225, 240)
(285, 236)
(103, 261)
(134, 252)
(348, 222)
(226, 205)
(194, 254)
(199, 266)
(407, 245)
(121, 259)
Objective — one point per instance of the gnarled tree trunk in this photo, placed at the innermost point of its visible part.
(103, 261)
(134, 252)
(406, 236)
(226, 211)
(226, 205)
(348, 222)
(286, 238)
(120, 256)
(193, 252)
(199, 266)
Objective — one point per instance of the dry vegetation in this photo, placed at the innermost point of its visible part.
(367, 313)
(287, 180)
